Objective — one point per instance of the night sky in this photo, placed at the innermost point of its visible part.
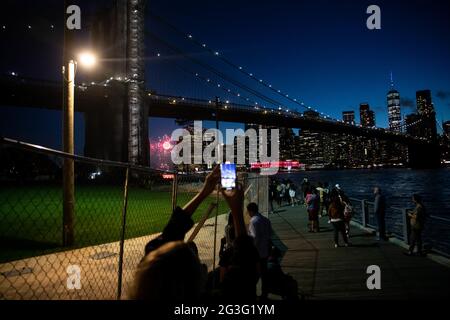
(319, 52)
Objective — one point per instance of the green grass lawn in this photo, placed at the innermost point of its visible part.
(31, 217)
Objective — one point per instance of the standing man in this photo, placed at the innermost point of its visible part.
(260, 229)
(272, 194)
(304, 186)
(417, 223)
(380, 213)
(312, 203)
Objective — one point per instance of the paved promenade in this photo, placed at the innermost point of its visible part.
(325, 272)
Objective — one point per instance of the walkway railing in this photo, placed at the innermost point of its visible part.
(436, 233)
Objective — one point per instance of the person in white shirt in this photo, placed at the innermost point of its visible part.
(260, 229)
(292, 196)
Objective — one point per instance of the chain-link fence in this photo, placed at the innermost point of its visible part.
(118, 208)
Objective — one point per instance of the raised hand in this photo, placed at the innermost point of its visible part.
(211, 181)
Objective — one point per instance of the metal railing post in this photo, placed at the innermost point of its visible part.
(122, 235)
(364, 211)
(174, 191)
(405, 226)
(257, 191)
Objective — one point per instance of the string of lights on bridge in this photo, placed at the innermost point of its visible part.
(29, 27)
(230, 63)
(106, 82)
(214, 71)
(241, 69)
(223, 87)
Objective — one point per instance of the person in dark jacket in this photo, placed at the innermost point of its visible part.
(417, 223)
(336, 217)
(380, 212)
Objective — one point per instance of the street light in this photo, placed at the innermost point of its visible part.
(88, 60)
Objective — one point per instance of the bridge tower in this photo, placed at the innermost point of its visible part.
(118, 130)
(137, 114)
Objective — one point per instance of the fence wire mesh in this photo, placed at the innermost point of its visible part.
(118, 208)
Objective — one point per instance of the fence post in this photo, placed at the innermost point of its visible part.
(406, 226)
(364, 210)
(215, 234)
(257, 190)
(122, 235)
(174, 191)
(68, 165)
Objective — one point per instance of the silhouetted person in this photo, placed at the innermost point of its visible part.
(312, 203)
(348, 208)
(336, 216)
(417, 223)
(304, 187)
(280, 283)
(260, 229)
(272, 194)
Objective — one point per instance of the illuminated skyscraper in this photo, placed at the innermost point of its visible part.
(427, 114)
(446, 127)
(348, 117)
(394, 111)
(367, 116)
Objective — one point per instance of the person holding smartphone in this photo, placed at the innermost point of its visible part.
(171, 269)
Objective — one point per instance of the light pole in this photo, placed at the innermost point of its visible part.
(69, 71)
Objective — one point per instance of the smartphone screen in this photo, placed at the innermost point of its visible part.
(228, 175)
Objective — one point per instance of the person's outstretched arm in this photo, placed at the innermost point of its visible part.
(181, 222)
(235, 200)
(210, 184)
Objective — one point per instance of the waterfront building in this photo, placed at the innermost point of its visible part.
(425, 109)
(348, 117)
(367, 116)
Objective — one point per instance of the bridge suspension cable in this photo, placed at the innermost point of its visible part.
(216, 84)
(215, 71)
(235, 66)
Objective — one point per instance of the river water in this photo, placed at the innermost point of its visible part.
(398, 185)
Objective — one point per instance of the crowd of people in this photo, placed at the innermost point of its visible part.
(321, 200)
(171, 269)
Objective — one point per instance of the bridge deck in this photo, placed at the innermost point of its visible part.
(325, 272)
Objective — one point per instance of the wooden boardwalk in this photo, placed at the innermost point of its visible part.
(325, 272)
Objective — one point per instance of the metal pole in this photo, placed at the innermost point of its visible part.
(122, 235)
(364, 213)
(217, 198)
(406, 227)
(68, 168)
(174, 191)
(201, 222)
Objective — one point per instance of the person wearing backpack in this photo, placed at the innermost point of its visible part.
(336, 218)
(348, 208)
